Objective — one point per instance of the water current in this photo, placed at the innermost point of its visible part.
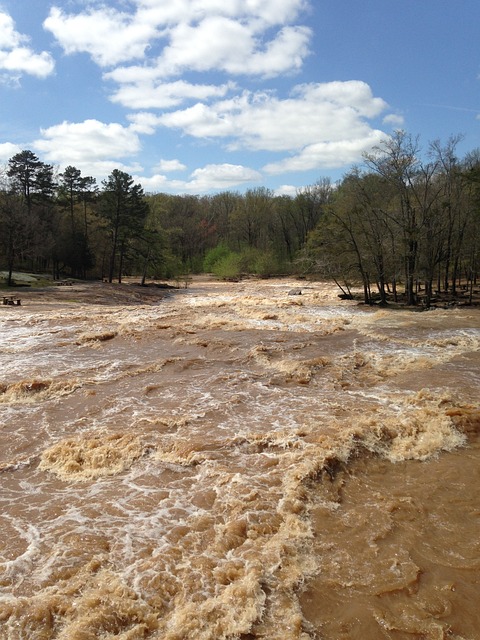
(230, 461)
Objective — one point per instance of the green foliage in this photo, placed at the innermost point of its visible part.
(31, 178)
(171, 267)
(75, 253)
(214, 255)
(124, 210)
(266, 265)
(229, 267)
(231, 264)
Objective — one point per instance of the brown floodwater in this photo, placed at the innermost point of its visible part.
(233, 462)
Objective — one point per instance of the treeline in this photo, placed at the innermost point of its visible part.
(408, 229)
(67, 224)
(402, 226)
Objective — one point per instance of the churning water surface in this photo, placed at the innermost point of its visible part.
(234, 462)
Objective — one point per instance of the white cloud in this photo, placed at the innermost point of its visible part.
(155, 183)
(283, 54)
(16, 57)
(23, 60)
(9, 38)
(201, 121)
(286, 190)
(262, 121)
(234, 47)
(321, 124)
(149, 95)
(8, 150)
(268, 12)
(238, 37)
(170, 165)
(91, 145)
(109, 36)
(222, 176)
(394, 120)
(143, 122)
(213, 43)
(212, 177)
(327, 154)
(153, 51)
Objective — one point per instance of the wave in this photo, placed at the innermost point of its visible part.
(30, 391)
(82, 459)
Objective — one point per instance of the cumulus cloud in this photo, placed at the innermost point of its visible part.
(262, 121)
(222, 176)
(212, 177)
(394, 120)
(108, 35)
(7, 151)
(147, 94)
(237, 37)
(170, 165)
(287, 190)
(266, 12)
(143, 122)
(234, 47)
(16, 57)
(9, 37)
(320, 124)
(326, 154)
(91, 144)
(178, 66)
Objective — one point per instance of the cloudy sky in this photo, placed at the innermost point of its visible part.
(197, 96)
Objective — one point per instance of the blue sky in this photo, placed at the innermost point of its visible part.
(200, 96)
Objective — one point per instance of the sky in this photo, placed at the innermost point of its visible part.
(202, 96)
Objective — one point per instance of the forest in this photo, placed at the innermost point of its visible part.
(404, 226)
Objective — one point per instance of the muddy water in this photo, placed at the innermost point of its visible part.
(232, 462)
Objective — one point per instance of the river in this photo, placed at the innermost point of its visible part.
(231, 461)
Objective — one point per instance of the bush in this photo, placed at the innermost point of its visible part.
(259, 263)
(228, 267)
(215, 255)
(228, 264)
(266, 264)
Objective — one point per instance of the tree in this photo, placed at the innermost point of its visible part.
(367, 197)
(397, 161)
(222, 207)
(74, 192)
(32, 184)
(124, 209)
(454, 210)
(333, 252)
(252, 219)
(88, 195)
(30, 178)
(70, 185)
(471, 250)
(15, 229)
(310, 203)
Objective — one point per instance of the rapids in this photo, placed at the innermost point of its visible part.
(230, 461)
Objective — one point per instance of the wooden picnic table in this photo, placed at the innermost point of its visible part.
(12, 300)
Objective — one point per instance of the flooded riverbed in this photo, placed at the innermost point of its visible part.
(231, 461)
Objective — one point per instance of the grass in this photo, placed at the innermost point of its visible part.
(21, 279)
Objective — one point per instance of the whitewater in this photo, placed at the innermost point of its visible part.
(231, 461)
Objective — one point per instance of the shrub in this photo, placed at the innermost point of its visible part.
(266, 264)
(214, 255)
(228, 267)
